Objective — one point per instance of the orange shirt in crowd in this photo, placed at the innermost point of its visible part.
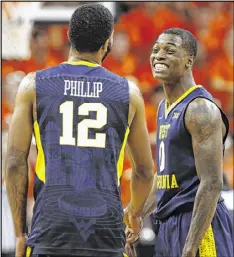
(6, 110)
(213, 38)
(144, 75)
(31, 65)
(125, 180)
(151, 113)
(123, 67)
(221, 80)
(139, 26)
(228, 169)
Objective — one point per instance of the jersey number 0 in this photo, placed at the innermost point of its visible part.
(82, 127)
(162, 156)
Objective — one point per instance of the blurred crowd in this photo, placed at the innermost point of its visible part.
(138, 24)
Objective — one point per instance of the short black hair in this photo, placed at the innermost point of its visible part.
(90, 26)
(189, 42)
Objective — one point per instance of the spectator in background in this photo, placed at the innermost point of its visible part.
(10, 84)
(121, 60)
(201, 64)
(41, 57)
(6, 111)
(221, 73)
(156, 95)
(228, 161)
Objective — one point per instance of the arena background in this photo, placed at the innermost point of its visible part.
(34, 37)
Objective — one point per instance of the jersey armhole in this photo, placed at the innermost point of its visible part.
(224, 118)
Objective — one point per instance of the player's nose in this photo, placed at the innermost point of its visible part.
(160, 56)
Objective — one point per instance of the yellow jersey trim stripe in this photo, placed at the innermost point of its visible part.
(190, 90)
(207, 247)
(40, 164)
(121, 157)
(85, 63)
(28, 251)
(158, 108)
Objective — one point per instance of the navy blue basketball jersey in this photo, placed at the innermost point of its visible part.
(177, 179)
(81, 131)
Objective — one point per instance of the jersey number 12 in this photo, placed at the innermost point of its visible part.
(82, 127)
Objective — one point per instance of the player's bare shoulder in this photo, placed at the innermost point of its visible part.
(28, 83)
(202, 118)
(26, 90)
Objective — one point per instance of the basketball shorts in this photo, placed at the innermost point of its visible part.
(29, 253)
(42, 255)
(217, 242)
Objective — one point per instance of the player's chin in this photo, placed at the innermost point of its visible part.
(160, 75)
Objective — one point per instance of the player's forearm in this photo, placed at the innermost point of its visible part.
(150, 205)
(151, 202)
(17, 188)
(204, 209)
(140, 189)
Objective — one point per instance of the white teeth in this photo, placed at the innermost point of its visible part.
(159, 66)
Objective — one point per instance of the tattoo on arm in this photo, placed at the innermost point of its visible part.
(29, 81)
(19, 140)
(203, 121)
(17, 187)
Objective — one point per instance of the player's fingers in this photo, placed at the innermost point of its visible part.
(133, 238)
(133, 251)
(130, 250)
(128, 230)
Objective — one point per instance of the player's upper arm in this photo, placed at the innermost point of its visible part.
(21, 126)
(204, 122)
(138, 139)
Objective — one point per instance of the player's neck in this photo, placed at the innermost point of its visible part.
(174, 90)
(75, 56)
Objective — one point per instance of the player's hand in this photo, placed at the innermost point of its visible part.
(20, 246)
(130, 250)
(131, 236)
(134, 223)
(133, 231)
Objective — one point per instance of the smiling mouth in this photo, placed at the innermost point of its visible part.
(160, 67)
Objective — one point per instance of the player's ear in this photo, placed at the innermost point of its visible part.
(110, 39)
(68, 36)
(104, 47)
(190, 62)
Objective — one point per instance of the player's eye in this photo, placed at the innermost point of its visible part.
(170, 51)
(155, 50)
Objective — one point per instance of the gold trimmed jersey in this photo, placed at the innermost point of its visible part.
(81, 132)
(177, 180)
